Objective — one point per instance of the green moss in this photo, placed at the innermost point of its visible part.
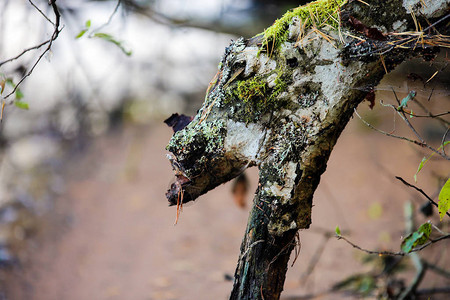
(254, 97)
(318, 13)
(280, 85)
(251, 90)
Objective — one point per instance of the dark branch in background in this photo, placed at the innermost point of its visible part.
(116, 8)
(420, 191)
(387, 133)
(405, 118)
(440, 290)
(430, 115)
(443, 140)
(445, 123)
(263, 10)
(437, 270)
(49, 43)
(41, 12)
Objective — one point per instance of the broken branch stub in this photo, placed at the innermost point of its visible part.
(279, 102)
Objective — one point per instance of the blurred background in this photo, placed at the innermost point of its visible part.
(83, 171)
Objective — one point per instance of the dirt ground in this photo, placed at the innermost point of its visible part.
(112, 236)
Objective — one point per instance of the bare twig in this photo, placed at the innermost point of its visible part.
(116, 8)
(387, 133)
(440, 290)
(419, 190)
(436, 116)
(421, 270)
(250, 247)
(41, 12)
(443, 140)
(315, 259)
(25, 51)
(437, 270)
(428, 116)
(54, 36)
(281, 252)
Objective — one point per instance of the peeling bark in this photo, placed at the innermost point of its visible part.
(282, 109)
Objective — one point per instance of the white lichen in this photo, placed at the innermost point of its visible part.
(429, 9)
(245, 141)
(399, 25)
(285, 190)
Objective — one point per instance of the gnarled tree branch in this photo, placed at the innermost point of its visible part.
(279, 102)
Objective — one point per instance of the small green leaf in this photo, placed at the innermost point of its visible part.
(422, 163)
(416, 238)
(338, 230)
(109, 38)
(21, 104)
(444, 196)
(87, 25)
(425, 159)
(405, 100)
(19, 94)
(81, 33)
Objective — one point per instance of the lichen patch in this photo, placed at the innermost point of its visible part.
(245, 141)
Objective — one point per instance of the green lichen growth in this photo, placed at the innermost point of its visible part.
(317, 14)
(254, 97)
(195, 139)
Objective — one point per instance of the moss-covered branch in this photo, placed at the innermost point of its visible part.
(280, 101)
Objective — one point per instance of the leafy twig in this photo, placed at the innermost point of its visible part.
(420, 191)
(399, 253)
(402, 114)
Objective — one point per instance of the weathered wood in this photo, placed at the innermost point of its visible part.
(281, 104)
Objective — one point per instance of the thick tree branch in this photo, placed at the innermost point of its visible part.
(279, 102)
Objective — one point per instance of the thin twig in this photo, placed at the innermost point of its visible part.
(428, 116)
(315, 259)
(281, 252)
(25, 51)
(387, 133)
(116, 8)
(55, 34)
(420, 191)
(436, 269)
(443, 140)
(441, 290)
(400, 253)
(41, 12)
(405, 118)
(250, 247)
(437, 117)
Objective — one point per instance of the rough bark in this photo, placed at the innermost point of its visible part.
(281, 105)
